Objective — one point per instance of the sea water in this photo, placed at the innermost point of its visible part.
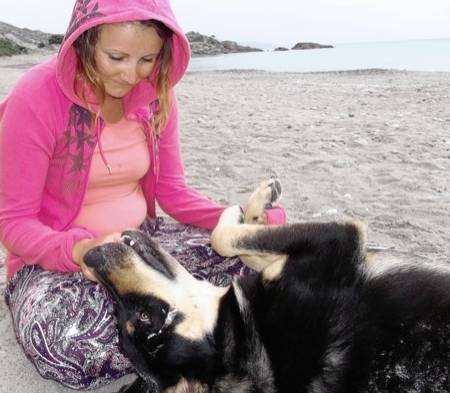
(414, 55)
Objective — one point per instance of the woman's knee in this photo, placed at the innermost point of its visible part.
(68, 330)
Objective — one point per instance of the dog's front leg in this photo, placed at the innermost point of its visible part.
(228, 230)
(226, 240)
(234, 225)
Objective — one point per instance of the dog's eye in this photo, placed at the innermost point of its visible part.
(144, 316)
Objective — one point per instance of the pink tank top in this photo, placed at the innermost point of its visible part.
(115, 201)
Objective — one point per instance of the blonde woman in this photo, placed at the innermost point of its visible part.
(88, 145)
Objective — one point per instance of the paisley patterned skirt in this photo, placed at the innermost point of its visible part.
(66, 324)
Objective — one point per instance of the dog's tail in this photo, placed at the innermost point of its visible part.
(409, 293)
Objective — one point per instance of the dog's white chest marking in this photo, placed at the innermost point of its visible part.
(199, 303)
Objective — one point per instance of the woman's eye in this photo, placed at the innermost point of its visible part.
(115, 58)
(148, 60)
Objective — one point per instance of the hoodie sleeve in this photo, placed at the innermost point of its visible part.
(177, 199)
(26, 146)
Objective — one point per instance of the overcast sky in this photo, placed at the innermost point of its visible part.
(282, 22)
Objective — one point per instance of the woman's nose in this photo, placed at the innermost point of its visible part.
(130, 76)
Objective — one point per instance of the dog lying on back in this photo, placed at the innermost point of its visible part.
(319, 316)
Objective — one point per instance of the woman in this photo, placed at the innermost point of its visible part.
(88, 143)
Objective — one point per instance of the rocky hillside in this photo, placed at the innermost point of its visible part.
(14, 40)
(203, 45)
(25, 38)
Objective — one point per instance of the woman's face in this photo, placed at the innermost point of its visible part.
(124, 55)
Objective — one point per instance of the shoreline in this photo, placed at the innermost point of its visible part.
(22, 62)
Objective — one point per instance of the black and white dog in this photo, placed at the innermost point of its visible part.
(319, 316)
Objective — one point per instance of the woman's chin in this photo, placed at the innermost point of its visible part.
(117, 95)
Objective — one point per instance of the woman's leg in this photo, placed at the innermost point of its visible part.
(65, 323)
(191, 247)
(66, 327)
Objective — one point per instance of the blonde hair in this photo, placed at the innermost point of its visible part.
(160, 76)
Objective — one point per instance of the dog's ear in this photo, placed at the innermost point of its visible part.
(146, 382)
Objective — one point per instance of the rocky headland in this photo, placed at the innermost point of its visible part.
(204, 45)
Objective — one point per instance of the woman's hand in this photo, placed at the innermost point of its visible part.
(81, 247)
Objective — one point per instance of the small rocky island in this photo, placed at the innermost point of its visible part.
(310, 45)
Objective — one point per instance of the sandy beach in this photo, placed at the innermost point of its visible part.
(369, 145)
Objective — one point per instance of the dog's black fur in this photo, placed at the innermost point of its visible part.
(322, 323)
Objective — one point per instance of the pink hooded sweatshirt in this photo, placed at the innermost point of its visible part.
(46, 147)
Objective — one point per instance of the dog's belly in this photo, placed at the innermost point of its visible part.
(317, 336)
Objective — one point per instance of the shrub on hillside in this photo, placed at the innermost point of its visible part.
(56, 39)
(9, 48)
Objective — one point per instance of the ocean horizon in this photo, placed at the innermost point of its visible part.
(413, 55)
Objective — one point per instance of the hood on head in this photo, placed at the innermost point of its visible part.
(89, 13)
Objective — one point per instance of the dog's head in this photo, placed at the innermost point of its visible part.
(166, 316)
(138, 275)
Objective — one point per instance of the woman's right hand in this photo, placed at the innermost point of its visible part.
(81, 247)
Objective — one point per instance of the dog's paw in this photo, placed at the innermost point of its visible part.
(231, 216)
(266, 194)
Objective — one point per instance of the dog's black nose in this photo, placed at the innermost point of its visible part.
(94, 258)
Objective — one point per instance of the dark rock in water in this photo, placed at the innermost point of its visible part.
(203, 45)
(310, 45)
(233, 47)
(280, 49)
